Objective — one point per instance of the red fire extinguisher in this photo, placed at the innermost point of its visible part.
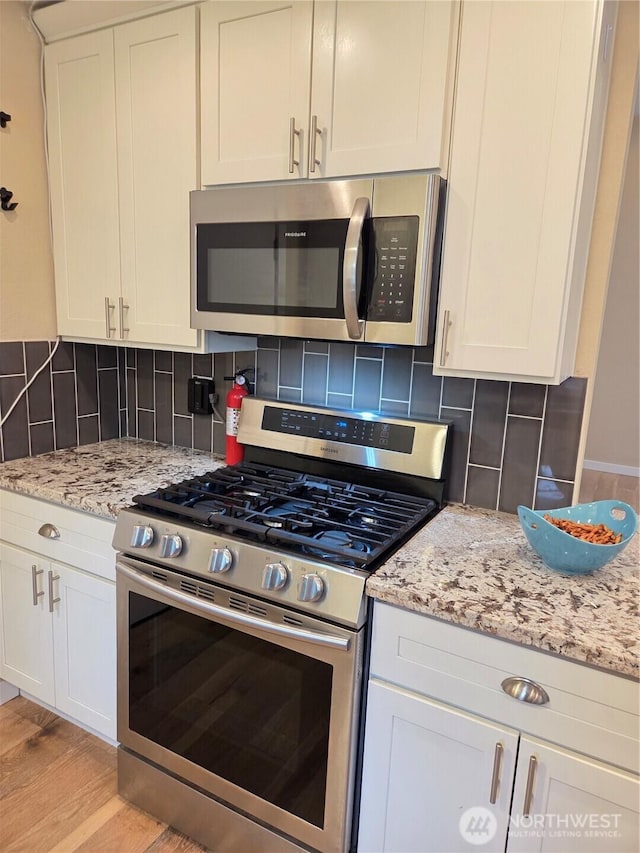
(234, 450)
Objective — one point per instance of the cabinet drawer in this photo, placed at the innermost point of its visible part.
(590, 711)
(84, 541)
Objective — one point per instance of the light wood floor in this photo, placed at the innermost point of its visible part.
(58, 791)
(601, 486)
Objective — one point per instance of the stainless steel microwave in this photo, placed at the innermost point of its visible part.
(354, 260)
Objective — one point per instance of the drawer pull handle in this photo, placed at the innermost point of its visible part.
(49, 531)
(52, 600)
(495, 776)
(525, 690)
(528, 794)
(35, 571)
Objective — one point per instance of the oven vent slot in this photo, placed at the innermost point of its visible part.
(191, 588)
(208, 594)
(242, 604)
(159, 576)
(290, 620)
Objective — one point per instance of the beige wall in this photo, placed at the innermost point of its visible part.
(27, 304)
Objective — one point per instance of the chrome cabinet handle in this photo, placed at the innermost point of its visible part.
(528, 794)
(446, 322)
(313, 139)
(352, 268)
(292, 139)
(49, 531)
(495, 775)
(52, 600)
(35, 571)
(121, 308)
(525, 690)
(108, 306)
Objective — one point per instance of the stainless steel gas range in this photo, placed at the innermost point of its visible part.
(242, 624)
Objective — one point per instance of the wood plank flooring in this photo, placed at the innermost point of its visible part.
(602, 486)
(58, 791)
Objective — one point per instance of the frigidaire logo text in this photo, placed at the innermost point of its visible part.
(295, 233)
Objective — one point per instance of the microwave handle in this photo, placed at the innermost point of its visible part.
(352, 269)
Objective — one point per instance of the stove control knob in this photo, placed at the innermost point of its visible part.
(170, 545)
(141, 536)
(310, 588)
(275, 576)
(220, 561)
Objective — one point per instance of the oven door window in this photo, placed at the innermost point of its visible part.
(245, 709)
(287, 269)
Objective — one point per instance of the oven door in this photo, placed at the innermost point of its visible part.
(253, 704)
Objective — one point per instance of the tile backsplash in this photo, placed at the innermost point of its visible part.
(512, 442)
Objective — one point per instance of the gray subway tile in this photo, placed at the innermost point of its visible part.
(41, 438)
(316, 346)
(219, 438)
(87, 380)
(64, 357)
(267, 374)
(527, 399)
(132, 404)
(396, 373)
(146, 425)
(553, 494)
(109, 406)
(425, 392)
(88, 429)
(290, 395)
(163, 361)
(339, 401)
(164, 408)
(202, 432)
(11, 358)
(366, 386)
(488, 425)
(561, 429)
(122, 379)
(131, 357)
(482, 487)
(369, 351)
(182, 431)
(64, 397)
(457, 393)
(267, 342)
(520, 462)
(124, 421)
(107, 356)
(341, 367)
(203, 364)
(314, 388)
(182, 372)
(36, 353)
(39, 394)
(15, 434)
(395, 408)
(144, 378)
(461, 421)
(423, 355)
(291, 353)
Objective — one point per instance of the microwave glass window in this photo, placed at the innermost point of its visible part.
(283, 277)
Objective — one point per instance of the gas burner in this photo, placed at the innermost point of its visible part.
(211, 507)
(288, 515)
(333, 543)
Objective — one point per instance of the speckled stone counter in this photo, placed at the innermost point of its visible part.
(474, 567)
(103, 478)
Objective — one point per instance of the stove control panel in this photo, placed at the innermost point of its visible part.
(220, 561)
(142, 536)
(275, 576)
(310, 588)
(170, 545)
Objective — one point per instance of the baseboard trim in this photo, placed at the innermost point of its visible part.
(611, 468)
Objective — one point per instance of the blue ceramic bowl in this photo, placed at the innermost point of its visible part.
(565, 553)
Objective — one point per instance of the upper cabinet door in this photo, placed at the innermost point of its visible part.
(156, 95)
(379, 90)
(255, 74)
(83, 180)
(526, 139)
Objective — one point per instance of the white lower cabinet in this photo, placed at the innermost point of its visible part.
(57, 621)
(440, 778)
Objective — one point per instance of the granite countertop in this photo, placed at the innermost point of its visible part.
(474, 567)
(103, 478)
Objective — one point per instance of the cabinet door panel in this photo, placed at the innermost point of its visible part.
(26, 644)
(83, 180)
(84, 626)
(524, 96)
(156, 101)
(379, 84)
(256, 65)
(577, 805)
(424, 766)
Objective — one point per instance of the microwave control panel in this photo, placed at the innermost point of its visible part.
(395, 241)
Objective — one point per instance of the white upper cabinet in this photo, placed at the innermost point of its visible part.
(530, 100)
(334, 88)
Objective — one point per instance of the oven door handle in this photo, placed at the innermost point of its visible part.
(352, 268)
(319, 639)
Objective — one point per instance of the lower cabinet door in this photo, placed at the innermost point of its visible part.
(26, 643)
(84, 631)
(568, 803)
(434, 778)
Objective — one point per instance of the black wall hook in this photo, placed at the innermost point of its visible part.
(4, 118)
(5, 199)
